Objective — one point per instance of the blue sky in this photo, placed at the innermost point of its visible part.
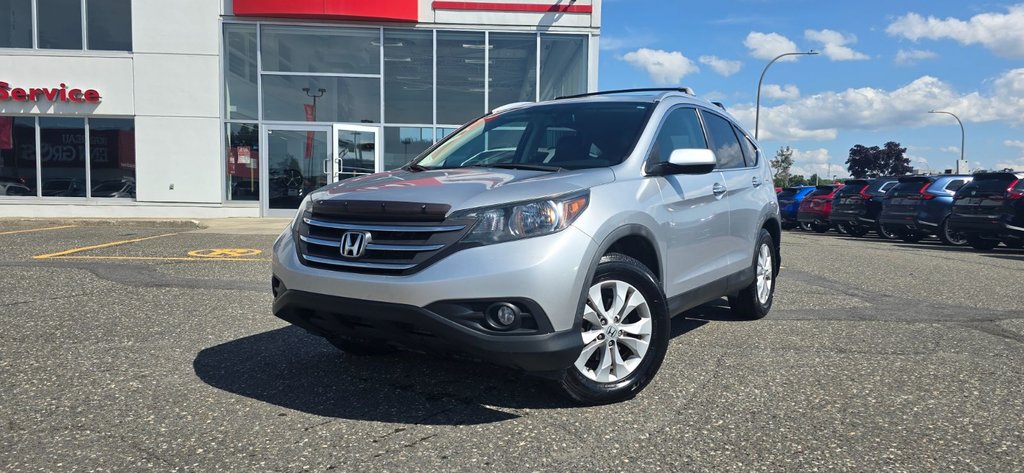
(884, 64)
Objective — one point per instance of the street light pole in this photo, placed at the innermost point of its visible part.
(962, 134)
(757, 112)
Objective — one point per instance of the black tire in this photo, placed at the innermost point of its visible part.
(583, 390)
(885, 233)
(858, 230)
(788, 225)
(982, 244)
(806, 226)
(911, 237)
(1015, 244)
(842, 229)
(360, 347)
(746, 305)
(950, 237)
(820, 227)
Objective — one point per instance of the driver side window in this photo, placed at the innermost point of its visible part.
(681, 129)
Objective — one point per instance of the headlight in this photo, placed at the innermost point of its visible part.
(303, 208)
(525, 219)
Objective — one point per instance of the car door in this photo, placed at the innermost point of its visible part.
(742, 184)
(693, 218)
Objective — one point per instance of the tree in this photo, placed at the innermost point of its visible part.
(874, 161)
(780, 165)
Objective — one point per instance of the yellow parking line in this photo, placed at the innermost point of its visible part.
(103, 245)
(12, 232)
(154, 258)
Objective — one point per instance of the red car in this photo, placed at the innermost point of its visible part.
(816, 208)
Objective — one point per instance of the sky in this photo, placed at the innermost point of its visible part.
(882, 66)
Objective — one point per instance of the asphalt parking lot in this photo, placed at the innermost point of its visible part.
(143, 346)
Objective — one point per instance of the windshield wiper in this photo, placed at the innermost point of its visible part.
(415, 167)
(526, 166)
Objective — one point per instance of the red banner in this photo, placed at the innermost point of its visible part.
(310, 117)
(6, 132)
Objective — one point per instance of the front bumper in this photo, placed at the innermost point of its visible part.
(418, 327)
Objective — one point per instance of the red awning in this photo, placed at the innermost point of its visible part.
(366, 10)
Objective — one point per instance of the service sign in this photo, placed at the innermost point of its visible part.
(62, 93)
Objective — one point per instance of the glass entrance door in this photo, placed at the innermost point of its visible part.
(357, 151)
(298, 161)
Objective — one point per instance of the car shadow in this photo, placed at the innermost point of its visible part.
(295, 370)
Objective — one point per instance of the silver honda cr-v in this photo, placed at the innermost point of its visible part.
(556, 237)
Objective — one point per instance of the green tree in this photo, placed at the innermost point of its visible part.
(780, 164)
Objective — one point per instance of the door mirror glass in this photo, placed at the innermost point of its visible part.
(691, 161)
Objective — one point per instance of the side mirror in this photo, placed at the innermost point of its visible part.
(691, 161)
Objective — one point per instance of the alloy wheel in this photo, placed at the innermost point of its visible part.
(764, 274)
(616, 331)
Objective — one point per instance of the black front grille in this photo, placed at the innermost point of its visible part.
(391, 247)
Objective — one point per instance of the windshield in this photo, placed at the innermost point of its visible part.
(546, 137)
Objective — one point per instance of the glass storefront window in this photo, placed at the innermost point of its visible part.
(60, 24)
(243, 160)
(443, 132)
(109, 25)
(17, 156)
(409, 76)
(62, 155)
(321, 49)
(460, 76)
(401, 144)
(513, 74)
(563, 65)
(16, 28)
(320, 98)
(240, 72)
(112, 157)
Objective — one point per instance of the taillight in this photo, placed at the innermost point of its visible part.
(1013, 194)
(864, 193)
(924, 192)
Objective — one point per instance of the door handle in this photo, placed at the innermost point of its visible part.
(718, 189)
(755, 182)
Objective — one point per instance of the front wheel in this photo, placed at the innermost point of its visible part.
(625, 330)
(755, 300)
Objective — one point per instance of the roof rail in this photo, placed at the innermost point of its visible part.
(685, 90)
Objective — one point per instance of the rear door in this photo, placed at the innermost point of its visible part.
(905, 197)
(694, 213)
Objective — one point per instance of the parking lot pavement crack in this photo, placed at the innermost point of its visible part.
(142, 276)
(50, 299)
(405, 445)
(994, 329)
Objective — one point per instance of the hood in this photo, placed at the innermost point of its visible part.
(462, 188)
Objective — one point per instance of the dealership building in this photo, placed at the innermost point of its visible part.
(221, 108)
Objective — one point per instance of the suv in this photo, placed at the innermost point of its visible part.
(919, 206)
(817, 207)
(604, 215)
(789, 204)
(857, 205)
(989, 209)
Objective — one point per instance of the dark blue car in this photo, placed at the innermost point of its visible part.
(789, 204)
(919, 206)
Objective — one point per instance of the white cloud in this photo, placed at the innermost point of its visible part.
(1002, 33)
(768, 45)
(1014, 143)
(906, 57)
(950, 149)
(774, 91)
(1017, 164)
(817, 161)
(834, 45)
(821, 116)
(664, 67)
(723, 67)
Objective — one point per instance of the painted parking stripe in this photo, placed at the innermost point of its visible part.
(102, 245)
(154, 258)
(12, 232)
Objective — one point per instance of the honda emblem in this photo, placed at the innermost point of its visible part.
(353, 244)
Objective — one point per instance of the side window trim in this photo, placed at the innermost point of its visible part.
(661, 126)
(735, 130)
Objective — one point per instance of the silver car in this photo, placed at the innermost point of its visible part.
(592, 221)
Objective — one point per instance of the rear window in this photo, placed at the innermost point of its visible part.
(994, 184)
(787, 193)
(904, 189)
(880, 187)
(852, 188)
(955, 185)
(821, 191)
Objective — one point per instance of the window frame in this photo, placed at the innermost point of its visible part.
(733, 126)
(649, 165)
(84, 20)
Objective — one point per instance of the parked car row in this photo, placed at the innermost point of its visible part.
(980, 210)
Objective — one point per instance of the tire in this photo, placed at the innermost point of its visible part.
(858, 230)
(885, 233)
(911, 237)
(360, 347)
(982, 244)
(806, 226)
(820, 227)
(788, 225)
(596, 377)
(950, 237)
(842, 229)
(1015, 244)
(755, 300)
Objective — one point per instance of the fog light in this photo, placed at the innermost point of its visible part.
(504, 316)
